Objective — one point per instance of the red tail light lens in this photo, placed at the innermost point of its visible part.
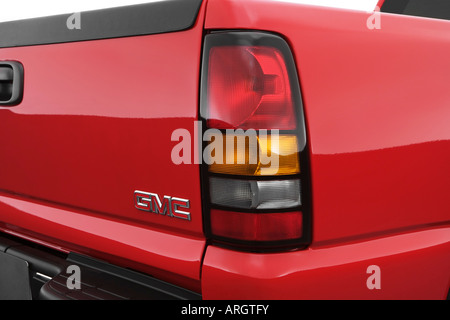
(250, 87)
(257, 227)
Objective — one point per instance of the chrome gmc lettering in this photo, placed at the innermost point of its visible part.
(168, 206)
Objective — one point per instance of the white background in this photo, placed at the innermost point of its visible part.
(23, 9)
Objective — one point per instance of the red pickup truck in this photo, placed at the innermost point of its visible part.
(226, 149)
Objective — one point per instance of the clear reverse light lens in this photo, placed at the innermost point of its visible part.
(250, 194)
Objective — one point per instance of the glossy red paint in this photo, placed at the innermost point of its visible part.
(95, 135)
(83, 232)
(412, 266)
(95, 125)
(376, 104)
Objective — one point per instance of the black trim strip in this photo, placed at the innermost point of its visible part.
(437, 9)
(142, 19)
(397, 6)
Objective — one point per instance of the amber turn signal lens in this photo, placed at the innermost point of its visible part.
(266, 156)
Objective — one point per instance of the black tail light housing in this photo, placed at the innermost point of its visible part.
(252, 112)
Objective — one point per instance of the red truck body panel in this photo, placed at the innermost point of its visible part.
(95, 125)
(413, 266)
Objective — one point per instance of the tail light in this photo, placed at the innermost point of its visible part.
(256, 188)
